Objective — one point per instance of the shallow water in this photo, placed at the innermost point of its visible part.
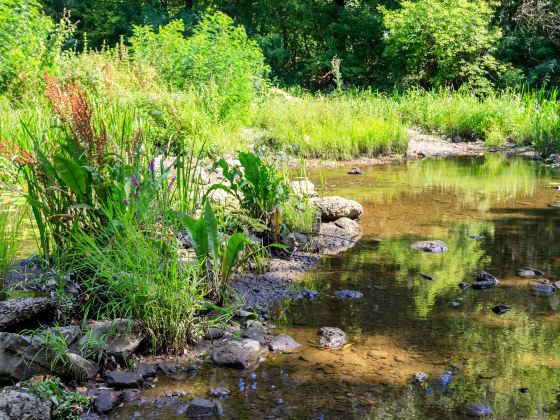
(405, 323)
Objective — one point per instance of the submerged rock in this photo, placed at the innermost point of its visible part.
(23, 406)
(124, 379)
(500, 309)
(219, 392)
(348, 294)
(332, 338)
(283, 343)
(243, 354)
(333, 208)
(480, 410)
(485, 281)
(543, 288)
(435, 246)
(21, 313)
(305, 294)
(529, 272)
(201, 407)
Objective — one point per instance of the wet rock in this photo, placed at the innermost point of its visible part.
(303, 188)
(117, 339)
(146, 370)
(219, 392)
(124, 379)
(463, 285)
(543, 288)
(283, 343)
(213, 333)
(355, 171)
(258, 332)
(529, 272)
(20, 405)
(420, 377)
(485, 281)
(106, 401)
(201, 407)
(333, 208)
(332, 337)
(349, 225)
(556, 284)
(480, 410)
(333, 238)
(243, 354)
(500, 309)
(348, 294)
(80, 367)
(306, 294)
(21, 313)
(435, 246)
(169, 368)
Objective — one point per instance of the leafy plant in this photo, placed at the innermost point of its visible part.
(67, 405)
(215, 254)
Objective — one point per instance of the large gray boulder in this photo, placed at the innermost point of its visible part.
(22, 357)
(116, 339)
(21, 313)
(333, 208)
(244, 354)
(23, 406)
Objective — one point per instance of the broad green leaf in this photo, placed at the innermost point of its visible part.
(235, 245)
(73, 175)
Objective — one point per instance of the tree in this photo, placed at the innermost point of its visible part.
(442, 42)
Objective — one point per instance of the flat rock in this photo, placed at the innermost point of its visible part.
(213, 333)
(348, 294)
(201, 407)
(21, 313)
(219, 392)
(349, 225)
(332, 337)
(146, 370)
(485, 281)
(435, 246)
(305, 294)
(500, 309)
(480, 410)
(543, 288)
(124, 379)
(529, 272)
(17, 405)
(333, 208)
(106, 401)
(355, 171)
(243, 354)
(82, 368)
(283, 343)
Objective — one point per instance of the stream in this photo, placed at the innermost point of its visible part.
(495, 214)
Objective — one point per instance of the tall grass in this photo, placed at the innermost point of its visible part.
(9, 229)
(332, 127)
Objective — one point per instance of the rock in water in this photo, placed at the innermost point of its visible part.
(543, 288)
(485, 281)
(107, 400)
(529, 272)
(480, 410)
(243, 354)
(435, 246)
(332, 338)
(500, 309)
(355, 171)
(303, 188)
(219, 392)
(124, 379)
(348, 294)
(19, 405)
(201, 407)
(333, 208)
(283, 342)
(305, 294)
(17, 314)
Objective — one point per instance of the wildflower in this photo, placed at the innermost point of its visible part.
(152, 166)
(126, 201)
(135, 181)
(171, 183)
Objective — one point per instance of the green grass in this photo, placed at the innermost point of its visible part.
(9, 230)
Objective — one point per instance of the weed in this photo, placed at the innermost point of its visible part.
(67, 405)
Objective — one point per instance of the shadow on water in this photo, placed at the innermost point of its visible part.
(493, 214)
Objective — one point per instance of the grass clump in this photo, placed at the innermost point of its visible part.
(9, 229)
(67, 405)
(334, 127)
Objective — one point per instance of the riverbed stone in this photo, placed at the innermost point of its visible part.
(349, 225)
(219, 392)
(480, 410)
(201, 407)
(19, 405)
(80, 367)
(334, 207)
(305, 294)
(433, 246)
(21, 313)
(213, 333)
(332, 337)
(543, 288)
(348, 294)
(485, 281)
(107, 400)
(244, 354)
(529, 272)
(303, 188)
(500, 309)
(124, 379)
(420, 377)
(355, 171)
(147, 370)
(283, 343)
